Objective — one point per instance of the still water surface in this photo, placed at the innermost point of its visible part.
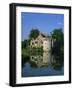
(42, 64)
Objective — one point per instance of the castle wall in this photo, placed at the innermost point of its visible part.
(47, 45)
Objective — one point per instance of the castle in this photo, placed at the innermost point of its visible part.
(43, 40)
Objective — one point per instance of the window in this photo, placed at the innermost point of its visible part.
(32, 43)
(36, 42)
(41, 42)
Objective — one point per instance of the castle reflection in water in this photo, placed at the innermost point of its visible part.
(40, 64)
(41, 59)
(46, 58)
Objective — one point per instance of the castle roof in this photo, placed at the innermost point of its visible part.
(44, 34)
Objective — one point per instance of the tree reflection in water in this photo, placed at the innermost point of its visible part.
(43, 60)
(57, 62)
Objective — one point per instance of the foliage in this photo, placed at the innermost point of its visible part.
(58, 36)
(33, 33)
(24, 43)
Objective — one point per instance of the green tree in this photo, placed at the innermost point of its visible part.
(24, 43)
(58, 35)
(33, 33)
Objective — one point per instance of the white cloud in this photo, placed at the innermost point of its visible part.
(59, 23)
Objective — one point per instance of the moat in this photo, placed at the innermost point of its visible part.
(42, 64)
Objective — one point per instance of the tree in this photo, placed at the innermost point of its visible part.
(24, 43)
(34, 33)
(58, 35)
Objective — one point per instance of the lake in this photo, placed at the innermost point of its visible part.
(42, 64)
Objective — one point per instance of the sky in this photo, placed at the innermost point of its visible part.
(44, 22)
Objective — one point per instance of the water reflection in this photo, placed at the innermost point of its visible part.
(41, 60)
(57, 62)
(42, 64)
